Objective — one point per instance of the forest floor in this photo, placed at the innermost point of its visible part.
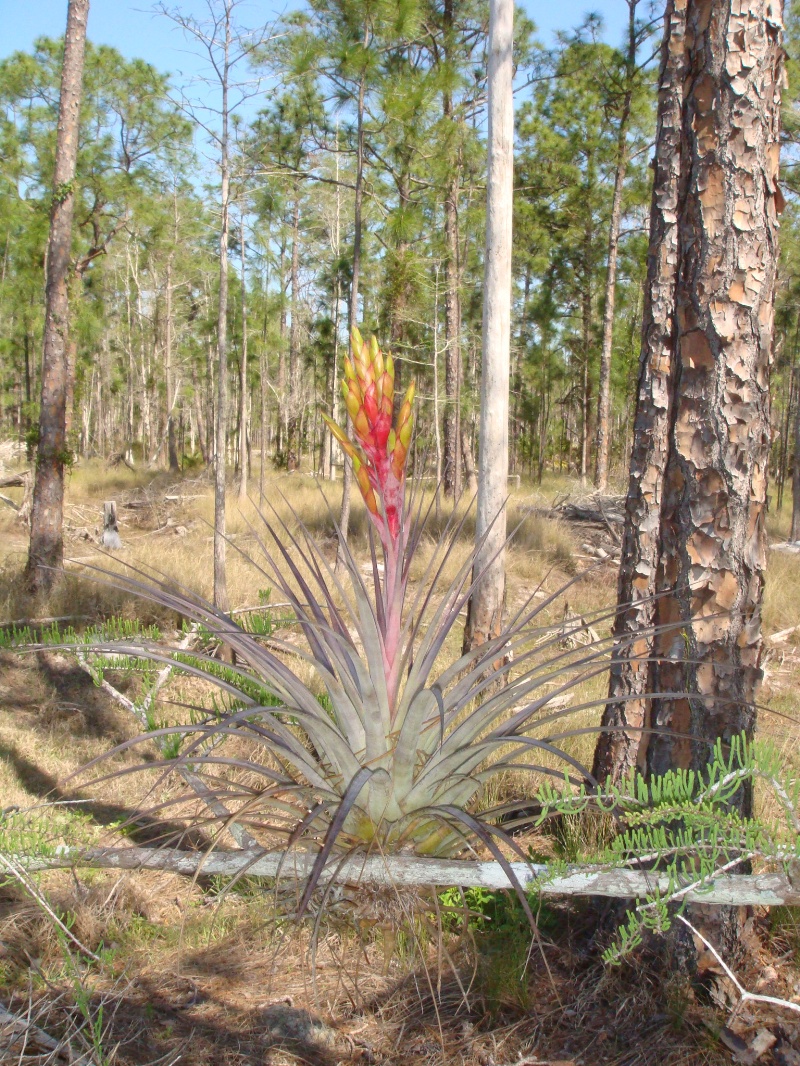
(184, 972)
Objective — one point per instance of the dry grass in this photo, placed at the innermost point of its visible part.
(215, 981)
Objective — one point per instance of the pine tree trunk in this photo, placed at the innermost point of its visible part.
(485, 613)
(172, 447)
(694, 534)
(794, 534)
(587, 304)
(46, 552)
(616, 751)
(452, 334)
(452, 306)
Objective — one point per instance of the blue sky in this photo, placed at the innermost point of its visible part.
(130, 25)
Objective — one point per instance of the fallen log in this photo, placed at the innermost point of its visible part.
(17, 1033)
(11, 481)
(766, 889)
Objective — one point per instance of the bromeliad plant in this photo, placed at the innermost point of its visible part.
(390, 745)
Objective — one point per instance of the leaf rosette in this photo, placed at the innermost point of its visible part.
(387, 744)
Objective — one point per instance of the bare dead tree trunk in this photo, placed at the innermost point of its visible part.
(694, 532)
(485, 612)
(46, 552)
(221, 600)
(243, 373)
(604, 385)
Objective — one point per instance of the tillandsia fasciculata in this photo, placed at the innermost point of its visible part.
(369, 736)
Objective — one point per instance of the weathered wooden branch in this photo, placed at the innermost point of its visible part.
(766, 890)
(21, 623)
(16, 1034)
(608, 511)
(10, 481)
(22, 479)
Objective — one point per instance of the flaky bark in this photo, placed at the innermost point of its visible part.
(46, 552)
(702, 550)
(616, 750)
(485, 614)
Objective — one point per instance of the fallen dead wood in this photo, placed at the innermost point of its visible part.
(607, 511)
(766, 890)
(17, 1033)
(23, 479)
(11, 481)
(791, 546)
(34, 623)
(779, 638)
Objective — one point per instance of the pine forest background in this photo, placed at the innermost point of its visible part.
(407, 81)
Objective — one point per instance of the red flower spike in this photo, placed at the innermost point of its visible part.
(380, 450)
(371, 404)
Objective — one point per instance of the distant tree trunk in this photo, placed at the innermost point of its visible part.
(329, 443)
(262, 385)
(469, 462)
(694, 534)
(283, 406)
(221, 600)
(172, 448)
(352, 309)
(587, 306)
(293, 445)
(199, 418)
(452, 307)
(485, 613)
(400, 281)
(46, 552)
(452, 334)
(604, 385)
(243, 374)
(794, 534)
